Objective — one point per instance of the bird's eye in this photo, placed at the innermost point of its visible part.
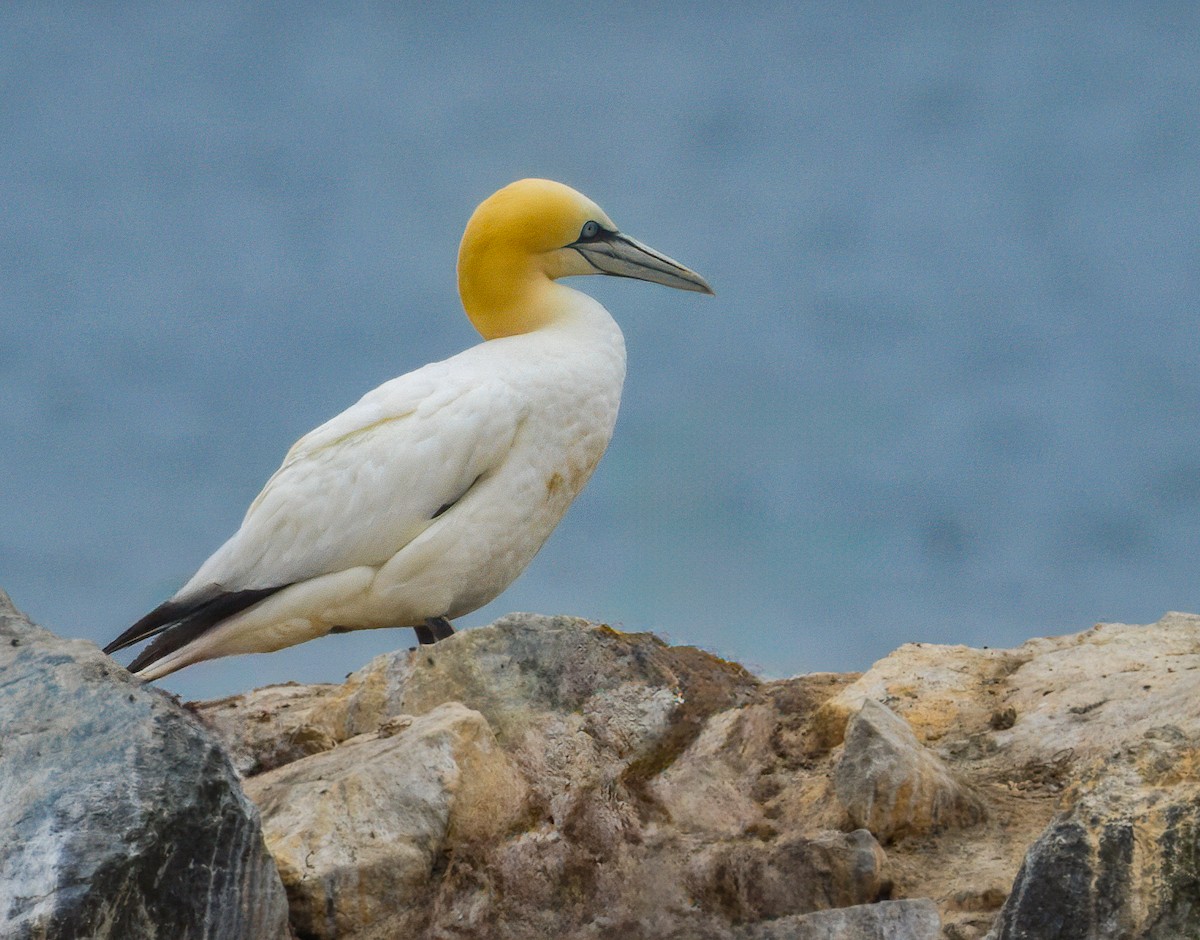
(589, 231)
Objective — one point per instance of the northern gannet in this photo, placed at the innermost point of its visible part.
(428, 497)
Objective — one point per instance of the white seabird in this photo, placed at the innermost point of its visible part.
(425, 499)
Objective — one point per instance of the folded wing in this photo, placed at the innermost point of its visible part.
(353, 492)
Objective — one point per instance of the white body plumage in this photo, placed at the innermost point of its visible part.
(508, 431)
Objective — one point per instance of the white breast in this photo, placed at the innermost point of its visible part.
(566, 384)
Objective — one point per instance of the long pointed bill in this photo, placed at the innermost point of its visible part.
(618, 254)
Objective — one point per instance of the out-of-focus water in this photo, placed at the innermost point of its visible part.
(948, 390)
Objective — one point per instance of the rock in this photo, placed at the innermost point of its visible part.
(1086, 693)
(278, 724)
(626, 685)
(758, 769)
(120, 817)
(888, 920)
(662, 792)
(752, 881)
(1095, 692)
(892, 785)
(587, 717)
(273, 726)
(708, 790)
(1022, 728)
(937, 689)
(1122, 861)
(580, 706)
(357, 830)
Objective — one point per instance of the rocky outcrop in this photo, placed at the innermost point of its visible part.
(638, 790)
(549, 777)
(120, 816)
(1083, 750)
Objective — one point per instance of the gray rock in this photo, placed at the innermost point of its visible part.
(120, 817)
(629, 688)
(887, 920)
(892, 785)
(582, 707)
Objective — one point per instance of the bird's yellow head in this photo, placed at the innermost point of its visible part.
(533, 231)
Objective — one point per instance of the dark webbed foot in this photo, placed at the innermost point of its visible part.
(434, 629)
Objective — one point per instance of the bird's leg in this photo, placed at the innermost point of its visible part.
(436, 628)
(424, 635)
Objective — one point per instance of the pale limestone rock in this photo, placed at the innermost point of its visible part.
(1084, 692)
(272, 726)
(375, 693)
(588, 715)
(889, 920)
(278, 724)
(706, 791)
(580, 706)
(936, 689)
(1025, 727)
(757, 769)
(356, 830)
(1095, 692)
(892, 785)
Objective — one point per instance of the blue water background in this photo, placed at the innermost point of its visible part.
(948, 390)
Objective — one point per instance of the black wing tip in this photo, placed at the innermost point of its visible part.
(149, 655)
(174, 625)
(157, 620)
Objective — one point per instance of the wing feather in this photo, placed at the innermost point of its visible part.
(361, 486)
